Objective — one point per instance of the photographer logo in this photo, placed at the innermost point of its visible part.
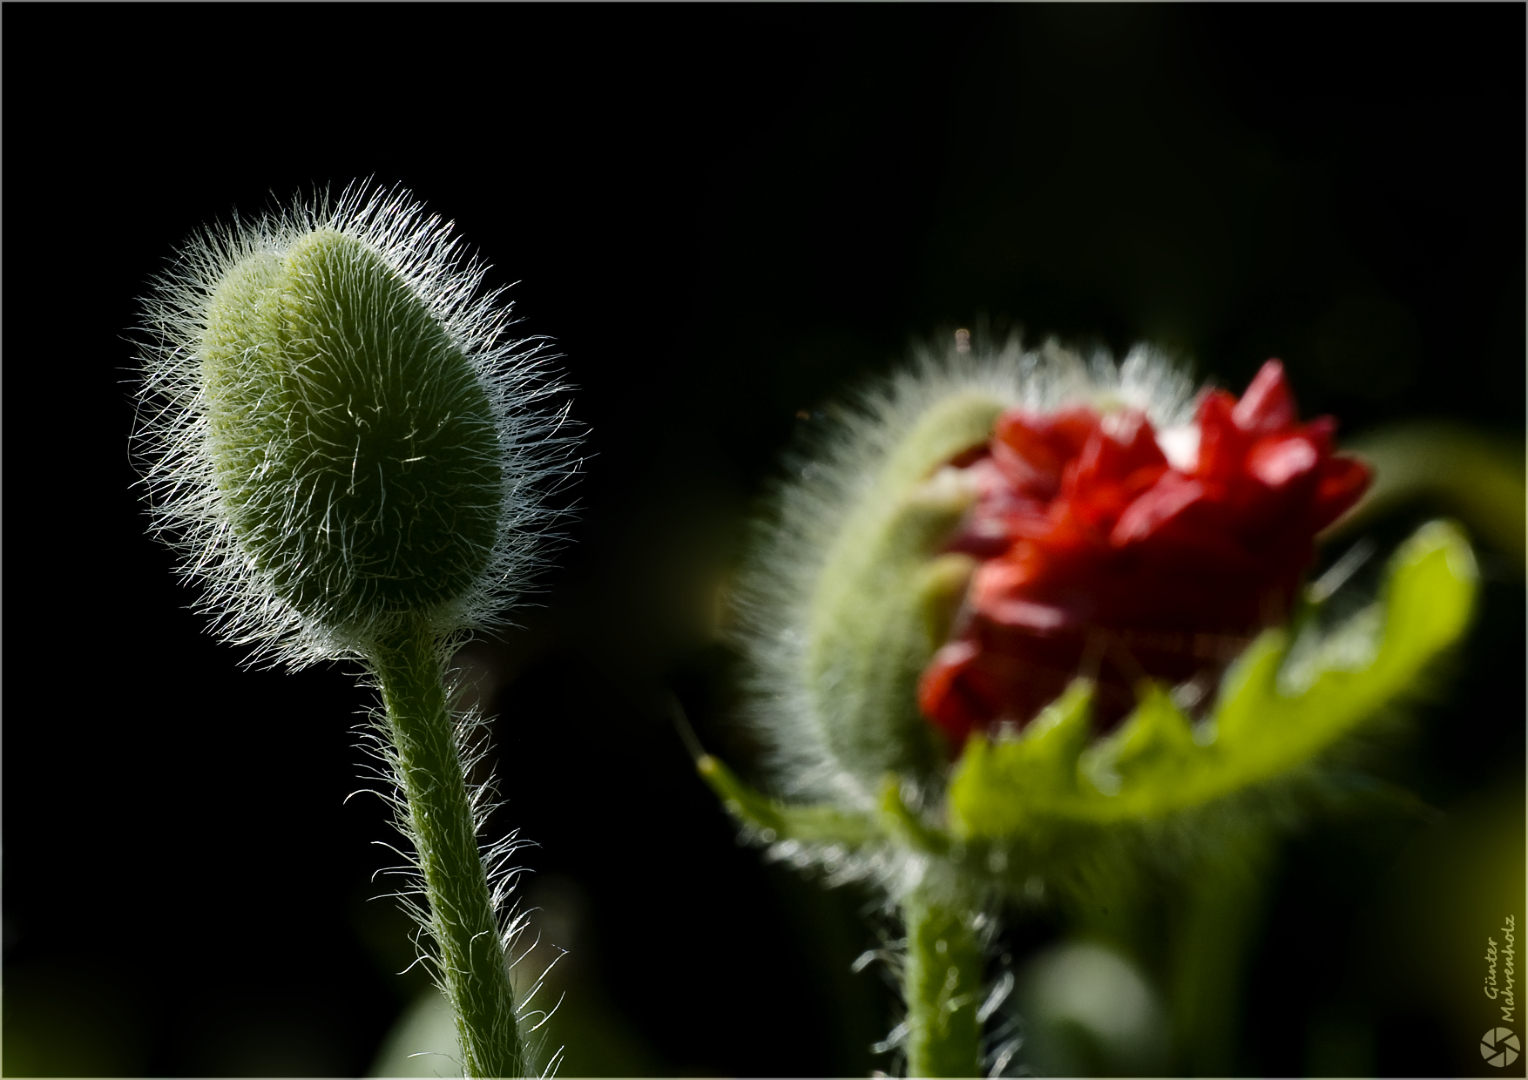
(1499, 1047)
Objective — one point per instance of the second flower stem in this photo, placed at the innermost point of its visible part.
(462, 918)
(942, 985)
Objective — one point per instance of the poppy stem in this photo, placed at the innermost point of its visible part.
(470, 951)
(1211, 930)
(942, 985)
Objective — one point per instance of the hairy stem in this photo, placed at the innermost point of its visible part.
(462, 918)
(942, 984)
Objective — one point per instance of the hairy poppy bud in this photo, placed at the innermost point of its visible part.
(340, 435)
(1113, 550)
(859, 581)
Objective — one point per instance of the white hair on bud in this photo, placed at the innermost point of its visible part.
(536, 440)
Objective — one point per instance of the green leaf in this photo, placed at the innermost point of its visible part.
(1279, 707)
(774, 820)
(1044, 757)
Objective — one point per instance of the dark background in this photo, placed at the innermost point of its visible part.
(724, 216)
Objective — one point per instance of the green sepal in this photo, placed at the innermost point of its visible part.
(893, 820)
(885, 597)
(773, 820)
(1279, 708)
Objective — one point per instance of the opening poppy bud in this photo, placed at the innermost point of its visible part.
(856, 582)
(1110, 550)
(1008, 551)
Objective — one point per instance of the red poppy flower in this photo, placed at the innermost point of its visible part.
(1113, 550)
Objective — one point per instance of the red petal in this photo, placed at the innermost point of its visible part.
(999, 590)
(1268, 406)
(1342, 482)
(1168, 498)
(1124, 443)
(947, 698)
(1222, 444)
(1088, 535)
(1000, 514)
(1279, 461)
(1034, 449)
(1121, 460)
(1323, 432)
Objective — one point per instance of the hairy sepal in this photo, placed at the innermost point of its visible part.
(875, 617)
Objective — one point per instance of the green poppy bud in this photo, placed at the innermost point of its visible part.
(340, 436)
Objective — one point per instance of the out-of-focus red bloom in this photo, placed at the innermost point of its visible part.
(1113, 550)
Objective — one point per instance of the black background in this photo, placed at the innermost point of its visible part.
(724, 216)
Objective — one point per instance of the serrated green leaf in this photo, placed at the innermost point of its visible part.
(1268, 720)
(1424, 608)
(1155, 748)
(1042, 761)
